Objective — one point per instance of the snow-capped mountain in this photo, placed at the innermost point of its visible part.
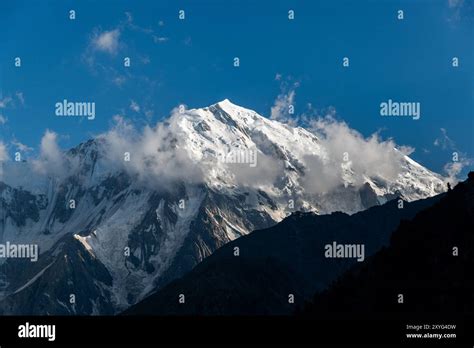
(131, 212)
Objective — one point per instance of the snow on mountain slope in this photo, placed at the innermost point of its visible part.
(225, 127)
(140, 224)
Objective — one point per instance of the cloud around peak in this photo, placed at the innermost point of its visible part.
(348, 151)
(157, 156)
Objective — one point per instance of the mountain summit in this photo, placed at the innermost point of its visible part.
(127, 212)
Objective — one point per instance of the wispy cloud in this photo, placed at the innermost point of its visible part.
(132, 25)
(283, 108)
(106, 45)
(134, 106)
(106, 41)
(455, 167)
(444, 141)
(20, 98)
(20, 146)
(366, 156)
(8, 102)
(103, 46)
(160, 39)
(5, 101)
(154, 158)
(51, 161)
(119, 80)
(457, 9)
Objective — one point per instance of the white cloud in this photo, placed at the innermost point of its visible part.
(9, 102)
(4, 102)
(444, 141)
(456, 9)
(134, 106)
(280, 110)
(51, 161)
(129, 22)
(157, 158)
(119, 80)
(269, 170)
(154, 157)
(453, 169)
(159, 39)
(20, 97)
(106, 41)
(366, 157)
(110, 43)
(406, 149)
(284, 109)
(22, 147)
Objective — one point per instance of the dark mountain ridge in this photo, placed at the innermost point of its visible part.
(260, 273)
(430, 262)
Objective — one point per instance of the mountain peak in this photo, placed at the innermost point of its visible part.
(226, 102)
(233, 109)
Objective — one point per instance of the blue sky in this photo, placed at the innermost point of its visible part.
(190, 61)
